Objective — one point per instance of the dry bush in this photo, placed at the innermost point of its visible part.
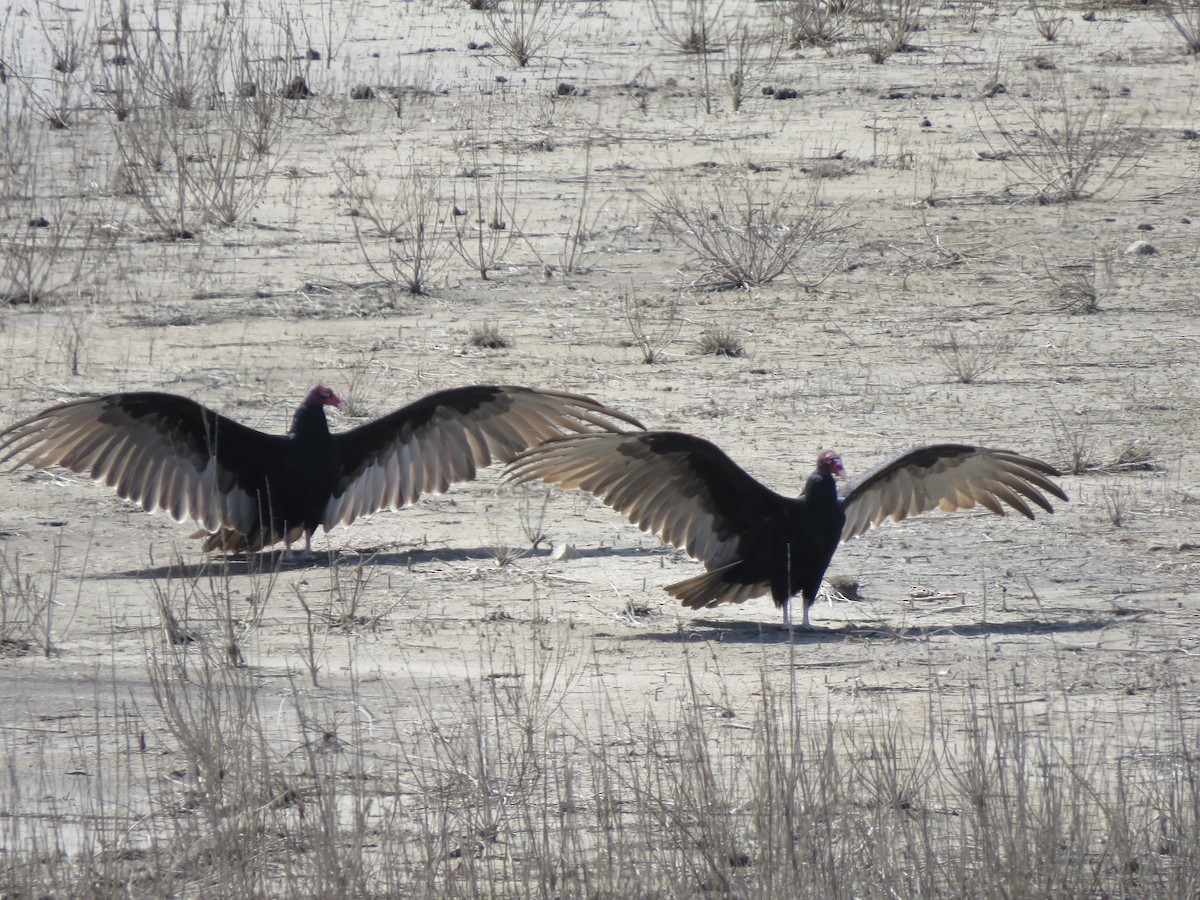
(751, 56)
(888, 25)
(743, 231)
(485, 214)
(1072, 147)
(1076, 444)
(721, 342)
(412, 252)
(197, 125)
(1048, 18)
(522, 29)
(50, 250)
(27, 606)
(488, 336)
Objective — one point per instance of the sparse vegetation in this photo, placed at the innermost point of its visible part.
(690, 26)
(492, 782)
(1048, 18)
(485, 213)
(411, 253)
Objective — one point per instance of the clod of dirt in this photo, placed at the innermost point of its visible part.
(297, 89)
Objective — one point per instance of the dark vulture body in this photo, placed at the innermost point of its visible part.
(248, 490)
(754, 541)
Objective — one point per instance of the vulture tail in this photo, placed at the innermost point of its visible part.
(711, 589)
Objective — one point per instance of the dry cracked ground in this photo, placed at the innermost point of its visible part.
(782, 226)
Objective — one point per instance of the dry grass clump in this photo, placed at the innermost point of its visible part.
(690, 26)
(721, 342)
(889, 26)
(1080, 287)
(970, 355)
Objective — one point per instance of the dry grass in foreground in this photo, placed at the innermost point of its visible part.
(233, 779)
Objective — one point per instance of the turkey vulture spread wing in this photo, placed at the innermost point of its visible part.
(677, 486)
(161, 451)
(947, 477)
(444, 437)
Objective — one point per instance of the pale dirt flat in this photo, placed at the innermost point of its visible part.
(1089, 609)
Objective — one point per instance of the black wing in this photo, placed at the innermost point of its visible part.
(161, 451)
(677, 486)
(445, 437)
(947, 477)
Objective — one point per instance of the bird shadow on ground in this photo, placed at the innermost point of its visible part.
(270, 561)
(762, 633)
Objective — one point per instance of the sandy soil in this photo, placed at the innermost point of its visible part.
(1087, 609)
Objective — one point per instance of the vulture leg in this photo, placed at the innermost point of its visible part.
(308, 536)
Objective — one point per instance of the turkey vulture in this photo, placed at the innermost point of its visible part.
(248, 490)
(752, 541)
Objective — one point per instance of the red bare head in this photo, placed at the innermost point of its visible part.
(829, 463)
(320, 395)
